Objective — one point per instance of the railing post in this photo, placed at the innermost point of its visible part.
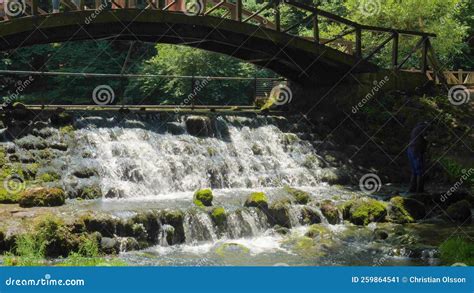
(396, 37)
(316, 28)
(277, 15)
(239, 10)
(424, 55)
(358, 32)
(34, 7)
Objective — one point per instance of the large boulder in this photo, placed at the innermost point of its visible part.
(363, 211)
(405, 210)
(199, 126)
(42, 197)
(203, 197)
(460, 212)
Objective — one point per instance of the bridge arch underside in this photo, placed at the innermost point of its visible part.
(295, 58)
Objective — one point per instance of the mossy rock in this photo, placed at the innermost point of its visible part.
(31, 170)
(317, 230)
(175, 219)
(85, 173)
(89, 192)
(330, 212)
(61, 119)
(257, 200)
(299, 196)
(310, 215)
(232, 249)
(460, 212)
(363, 211)
(279, 213)
(219, 216)
(105, 225)
(42, 197)
(405, 210)
(203, 197)
(8, 197)
(49, 177)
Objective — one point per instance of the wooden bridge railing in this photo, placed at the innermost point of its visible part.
(234, 9)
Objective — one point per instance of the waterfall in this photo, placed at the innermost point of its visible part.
(246, 222)
(142, 159)
(198, 227)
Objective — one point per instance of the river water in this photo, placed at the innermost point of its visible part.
(155, 164)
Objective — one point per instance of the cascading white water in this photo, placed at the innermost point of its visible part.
(198, 227)
(144, 162)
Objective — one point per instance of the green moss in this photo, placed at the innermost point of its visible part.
(68, 129)
(8, 197)
(365, 210)
(219, 216)
(232, 249)
(90, 192)
(257, 199)
(32, 170)
(330, 211)
(49, 177)
(203, 197)
(300, 196)
(12, 170)
(174, 217)
(405, 210)
(41, 196)
(316, 230)
(3, 157)
(457, 250)
(77, 260)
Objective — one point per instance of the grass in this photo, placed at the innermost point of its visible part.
(457, 250)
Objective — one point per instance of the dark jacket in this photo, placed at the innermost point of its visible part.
(418, 142)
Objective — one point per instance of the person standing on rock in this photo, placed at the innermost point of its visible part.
(416, 155)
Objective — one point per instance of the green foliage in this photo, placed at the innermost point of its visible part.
(8, 197)
(457, 171)
(457, 250)
(180, 60)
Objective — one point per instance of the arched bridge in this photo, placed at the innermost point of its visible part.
(257, 36)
